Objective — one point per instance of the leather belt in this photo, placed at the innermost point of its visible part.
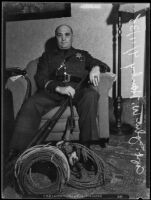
(68, 78)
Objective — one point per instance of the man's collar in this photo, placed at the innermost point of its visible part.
(69, 51)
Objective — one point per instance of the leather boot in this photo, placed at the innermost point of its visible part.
(103, 142)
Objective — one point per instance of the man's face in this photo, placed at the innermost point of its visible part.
(64, 37)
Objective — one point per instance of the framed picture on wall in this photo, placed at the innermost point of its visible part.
(15, 11)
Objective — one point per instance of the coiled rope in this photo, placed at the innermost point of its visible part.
(42, 154)
(58, 157)
(86, 182)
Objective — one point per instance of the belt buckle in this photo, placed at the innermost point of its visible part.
(66, 78)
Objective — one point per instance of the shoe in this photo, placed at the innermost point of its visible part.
(104, 142)
(86, 144)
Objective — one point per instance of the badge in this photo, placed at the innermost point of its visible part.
(79, 56)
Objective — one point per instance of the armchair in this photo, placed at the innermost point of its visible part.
(18, 88)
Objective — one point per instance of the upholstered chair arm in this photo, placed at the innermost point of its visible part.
(105, 84)
(18, 85)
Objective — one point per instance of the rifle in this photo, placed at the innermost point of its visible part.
(43, 132)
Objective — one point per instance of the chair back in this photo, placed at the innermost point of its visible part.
(31, 69)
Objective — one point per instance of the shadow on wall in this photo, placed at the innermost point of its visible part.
(50, 44)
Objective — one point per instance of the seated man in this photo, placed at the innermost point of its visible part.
(53, 67)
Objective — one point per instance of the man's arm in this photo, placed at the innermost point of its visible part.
(44, 81)
(92, 62)
(95, 67)
(43, 74)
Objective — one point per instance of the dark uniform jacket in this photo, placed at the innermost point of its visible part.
(77, 62)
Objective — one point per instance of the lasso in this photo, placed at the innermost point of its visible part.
(59, 159)
(41, 153)
(98, 178)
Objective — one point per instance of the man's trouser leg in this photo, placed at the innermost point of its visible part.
(28, 120)
(87, 104)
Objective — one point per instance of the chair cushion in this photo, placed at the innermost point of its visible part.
(58, 130)
(58, 136)
(60, 125)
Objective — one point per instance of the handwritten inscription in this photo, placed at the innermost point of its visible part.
(134, 28)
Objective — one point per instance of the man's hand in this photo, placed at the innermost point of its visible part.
(95, 75)
(68, 90)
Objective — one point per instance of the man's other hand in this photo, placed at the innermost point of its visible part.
(68, 90)
(95, 75)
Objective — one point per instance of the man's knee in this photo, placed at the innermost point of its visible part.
(91, 95)
(30, 103)
(28, 109)
(35, 101)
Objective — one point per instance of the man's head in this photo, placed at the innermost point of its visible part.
(64, 36)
